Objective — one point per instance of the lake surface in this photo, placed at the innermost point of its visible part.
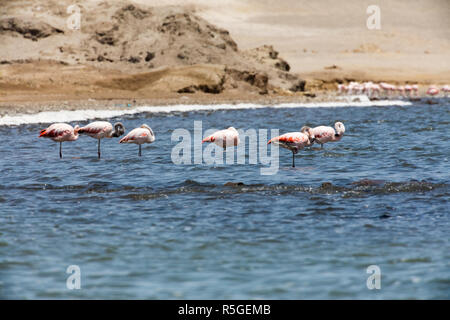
(145, 228)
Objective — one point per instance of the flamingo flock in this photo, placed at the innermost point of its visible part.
(293, 141)
(374, 90)
(62, 132)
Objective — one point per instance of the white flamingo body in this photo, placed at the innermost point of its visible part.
(60, 132)
(324, 134)
(224, 138)
(102, 129)
(139, 136)
(415, 89)
(433, 91)
(97, 130)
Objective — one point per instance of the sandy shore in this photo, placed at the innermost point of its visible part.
(164, 52)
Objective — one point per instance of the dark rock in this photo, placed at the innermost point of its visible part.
(134, 59)
(282, 65)
(299, 85)
(234, 184)
(33, 30)
(149, 56)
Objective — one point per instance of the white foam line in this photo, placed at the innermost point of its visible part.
(82, 115)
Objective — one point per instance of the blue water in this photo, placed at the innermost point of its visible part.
(146, 228)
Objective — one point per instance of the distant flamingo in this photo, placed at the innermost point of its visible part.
(354, 86)
(141, 135)
(324, 134)
(389, 89)
(401, 91)
(224, 138)
(376, 90)
(102, 129)
(408, 90)
(60, 132)
(446, 89)
(415, 89)
(433, 91)
(294, 141)
(342, 88)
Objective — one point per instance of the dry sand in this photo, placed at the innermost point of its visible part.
(207, 51)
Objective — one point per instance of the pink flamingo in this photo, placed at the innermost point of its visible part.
(102, 129)
(141, 135)
(376, 90)
(294, 141)
(433, 91)
(387, 88)
(224, 138)
(408, 90)
(342, 88)
(415, 89)
(446, 89)
(60, 132)
(401, 91)
(324, 134)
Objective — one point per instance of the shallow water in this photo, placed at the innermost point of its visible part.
(147, 228)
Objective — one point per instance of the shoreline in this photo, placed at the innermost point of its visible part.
(97, 111)
(29, 107)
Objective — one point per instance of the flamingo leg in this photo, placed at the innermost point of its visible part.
(140, 150)
(60, 150)
(321, 146)
(98, 151)
(293, 159)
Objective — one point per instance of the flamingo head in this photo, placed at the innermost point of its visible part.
(119, 130)
(232, 128)
(340, 128)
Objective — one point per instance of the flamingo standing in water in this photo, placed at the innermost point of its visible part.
(324, 134)
(415, 89)
(294, 141)
(141, 135)
(401, 91)
(60, 132)
(433, 91)
(102, 129)
(224, 138)
(408, 90)
(342, 88)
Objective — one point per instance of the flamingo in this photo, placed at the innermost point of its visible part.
(401, 91)
(376, 89)
(324, 134)
(141, 135)
(294, 141)
(60, 132)
(446, 89)
(353, 86)
(342, 88)
(433, 91)
(224, 138)
(102, 129)
(408, 90)
(415, 89)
